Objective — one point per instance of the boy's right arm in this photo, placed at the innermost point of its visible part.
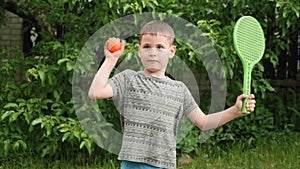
(100, 88)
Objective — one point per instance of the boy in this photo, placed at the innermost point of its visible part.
(151, 103)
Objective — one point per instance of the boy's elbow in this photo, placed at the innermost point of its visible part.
(201, 127)
(92, 95)
(202, 124)
(205, 127)
(98, 95)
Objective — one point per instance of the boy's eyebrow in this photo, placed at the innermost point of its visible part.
(159, 43)
(145, 44)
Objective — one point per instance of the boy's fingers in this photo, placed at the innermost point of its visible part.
(251, 109)
(251, 104)
(251, 101)
(244, 96)
(122, 45)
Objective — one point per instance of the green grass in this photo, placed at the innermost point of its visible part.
(267, 154)
(78, 161)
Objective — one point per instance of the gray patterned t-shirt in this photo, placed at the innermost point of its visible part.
(151, 109)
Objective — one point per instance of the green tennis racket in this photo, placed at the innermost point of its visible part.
(249, 43)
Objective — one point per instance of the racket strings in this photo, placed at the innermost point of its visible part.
(250, 44)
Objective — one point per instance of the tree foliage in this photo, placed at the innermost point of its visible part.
(37, 111)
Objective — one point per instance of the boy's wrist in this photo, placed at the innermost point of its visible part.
(112, 61)
(237, 111)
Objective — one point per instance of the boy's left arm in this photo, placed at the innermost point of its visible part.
(206, 122)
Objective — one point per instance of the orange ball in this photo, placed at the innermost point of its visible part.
(114, 45)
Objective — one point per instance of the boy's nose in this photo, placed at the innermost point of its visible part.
(153, 52)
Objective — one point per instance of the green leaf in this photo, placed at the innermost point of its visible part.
(43, 124)
(60, 61)
(87, 143)
(48, 129)
(46, 101)
(295, 8)
(14, 116)
(28, 116)
(155, 2)
(52, 79)
(22, 102)
(82, 144)
(47, 150)
(23, 144)
(31, 72)
(7, 114)
(42, 76)
(65, 136)
(11, 105)
(126, 7)
(110, 4)
(36, 121)
(64, 129)
(16, 145)
(6, 146)
(83, 135)
(77, 134)
(70, 66)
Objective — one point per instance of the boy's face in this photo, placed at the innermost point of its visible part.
(155, 52)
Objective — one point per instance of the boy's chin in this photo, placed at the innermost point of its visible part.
(153, 69)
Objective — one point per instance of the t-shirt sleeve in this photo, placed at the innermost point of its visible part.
(189, 103)
(118, 84)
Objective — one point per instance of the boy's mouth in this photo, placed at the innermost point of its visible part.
(153, 60)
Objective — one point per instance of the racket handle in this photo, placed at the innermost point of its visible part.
(244, 109)
(247, 85)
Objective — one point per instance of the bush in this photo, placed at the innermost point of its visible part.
(37, 112)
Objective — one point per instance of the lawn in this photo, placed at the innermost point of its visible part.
(268, 154)
(273, 153)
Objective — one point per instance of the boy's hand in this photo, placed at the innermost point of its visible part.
(117, 54)
(250, 105)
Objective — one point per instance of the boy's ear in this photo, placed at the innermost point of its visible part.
(173, 50)
(139, 47)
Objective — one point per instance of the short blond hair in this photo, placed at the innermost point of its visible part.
(157, 27)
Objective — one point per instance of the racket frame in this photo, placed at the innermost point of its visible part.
(247, 66)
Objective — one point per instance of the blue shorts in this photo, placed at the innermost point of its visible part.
(136, 165)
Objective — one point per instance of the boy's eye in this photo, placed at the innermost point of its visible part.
(146, 46)
(160, 47)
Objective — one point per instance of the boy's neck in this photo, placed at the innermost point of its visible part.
(158, 74)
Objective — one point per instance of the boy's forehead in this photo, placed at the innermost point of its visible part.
(158, 34)
(155, 37)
